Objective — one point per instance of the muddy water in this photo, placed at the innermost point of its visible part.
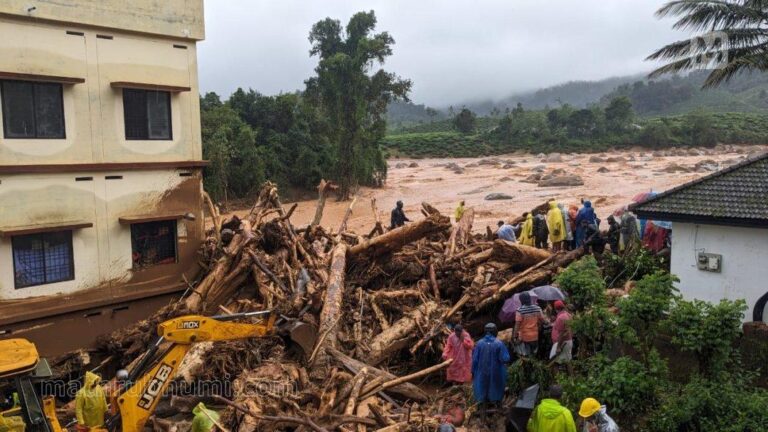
(431, 181)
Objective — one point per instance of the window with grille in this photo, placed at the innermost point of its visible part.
(153, 243)
(147, 114)
(44, 258)
(32, 110)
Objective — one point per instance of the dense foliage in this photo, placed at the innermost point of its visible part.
(353, 96)
(569, 129)
(621, 362)
(332, 130)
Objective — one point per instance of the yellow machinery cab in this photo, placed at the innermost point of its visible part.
(21, 365)
(17, 356)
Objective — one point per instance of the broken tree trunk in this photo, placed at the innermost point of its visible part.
(519, 255)
(322, 194)
(537, 274)
(331, 312)
(347, 214)
(397, 238)
(374, 388)
(400, 334)
(405, 390)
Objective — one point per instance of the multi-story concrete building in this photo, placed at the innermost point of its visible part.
(100, 163)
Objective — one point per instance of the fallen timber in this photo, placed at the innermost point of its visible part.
(379, 301)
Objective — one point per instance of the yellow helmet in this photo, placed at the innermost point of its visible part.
(589, 407)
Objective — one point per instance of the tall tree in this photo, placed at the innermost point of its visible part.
(464, 121)
(353, 96)
(733, 38)
(619, 114)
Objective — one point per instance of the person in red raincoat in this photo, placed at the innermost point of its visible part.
(459, 348)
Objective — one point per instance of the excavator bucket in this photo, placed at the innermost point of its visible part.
(302, 334)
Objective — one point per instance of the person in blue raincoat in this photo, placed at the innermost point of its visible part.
(586, 216)
(489, 370)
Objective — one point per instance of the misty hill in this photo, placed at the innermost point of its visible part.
(576, 93)
(669, 96)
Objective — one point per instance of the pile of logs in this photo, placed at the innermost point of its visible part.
(379, 302)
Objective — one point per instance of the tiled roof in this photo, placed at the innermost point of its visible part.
(737, 195)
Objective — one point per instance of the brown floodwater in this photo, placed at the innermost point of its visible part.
(432, 182)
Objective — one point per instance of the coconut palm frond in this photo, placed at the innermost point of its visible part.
(735, 38)
(712, 14)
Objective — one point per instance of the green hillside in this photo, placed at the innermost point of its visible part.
(570, 130)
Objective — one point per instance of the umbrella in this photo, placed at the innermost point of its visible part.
(548, 293)
(507, 313)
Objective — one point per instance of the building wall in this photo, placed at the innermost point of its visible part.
(744, 266)
(103, 41)
(102, 253)
(173, 18)
(93, 110)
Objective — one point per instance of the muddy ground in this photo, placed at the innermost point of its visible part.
(439, 182)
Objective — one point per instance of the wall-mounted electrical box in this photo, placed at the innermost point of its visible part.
(709, 262)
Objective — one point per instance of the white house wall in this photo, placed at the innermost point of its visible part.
(744, 267)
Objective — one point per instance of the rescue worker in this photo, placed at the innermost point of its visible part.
(459, 211)
(550, 416)
(555, 226)
(573, 210)
(489, 371)
(398, 217)
(526, 232)
(458, 347)
(528, 319)
(629, 230)
(568, 231)
(613, 234)
(540, 230)
(506, 232)
(595, 417)
(8, 422)
(90, 403)
(562, 337)
(204, 420)
(585, 216)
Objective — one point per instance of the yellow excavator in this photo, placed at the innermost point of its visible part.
(137, 396)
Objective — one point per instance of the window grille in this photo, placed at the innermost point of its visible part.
(44, 258)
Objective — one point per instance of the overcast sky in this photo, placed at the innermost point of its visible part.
(453, 50)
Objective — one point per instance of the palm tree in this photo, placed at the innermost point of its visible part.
(733, 36)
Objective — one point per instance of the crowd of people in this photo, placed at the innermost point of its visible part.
(540, 330)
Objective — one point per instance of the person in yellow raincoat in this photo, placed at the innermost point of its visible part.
(526, 232)
(459, 211)
(90, 403)
(556, 226)
(205, 419)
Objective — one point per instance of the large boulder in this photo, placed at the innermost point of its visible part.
(505, 179)
(489, 162)
(539, 168)
(413, 165)
(497, 196)
(400, 165)
(615, 159)
(564, 180)
(553, 157)
(533, 178)
(596, 159)
(674, 168)
(707, 165)
(602, 170)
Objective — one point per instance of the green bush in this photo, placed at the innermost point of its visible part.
(729, 404)
(708, 330)
(624, 385)
(595, 329)
(646, 307)
(527, 372)
(583, 282)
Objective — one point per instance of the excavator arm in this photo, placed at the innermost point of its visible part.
(152, 376)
